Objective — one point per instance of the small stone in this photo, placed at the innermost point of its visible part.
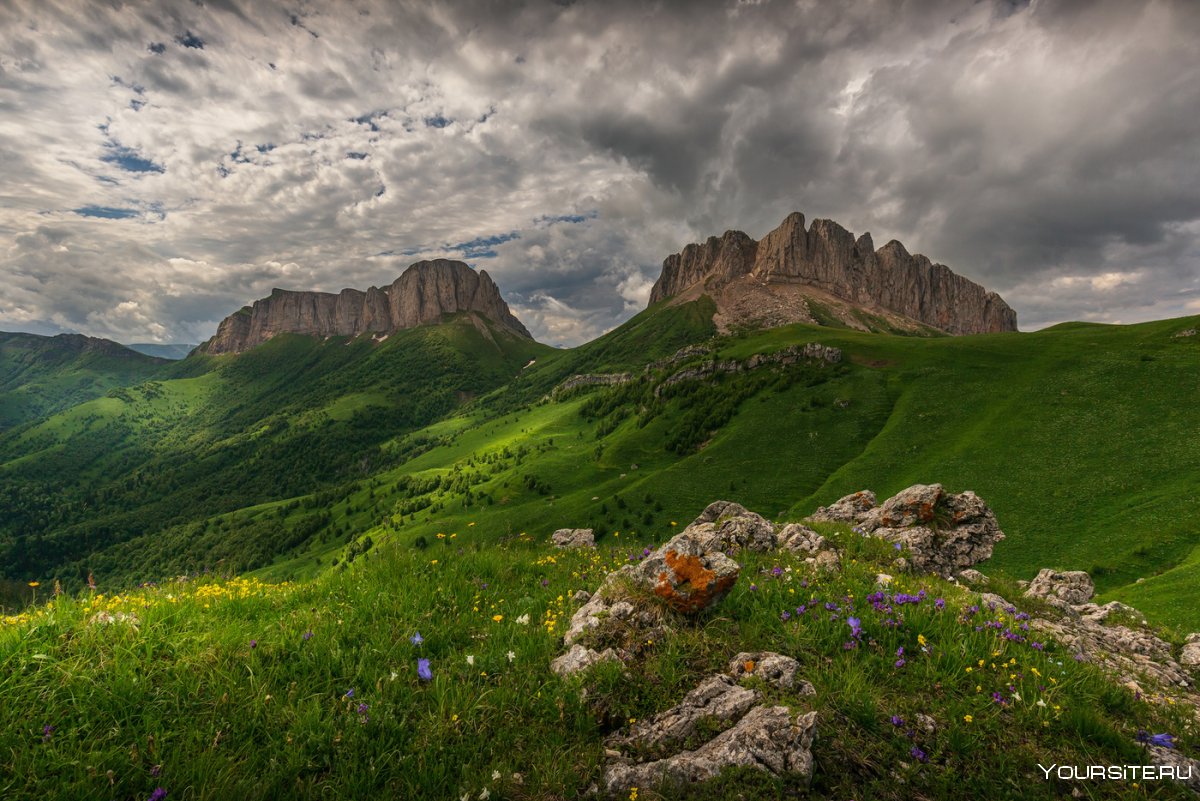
(573, 538)
(775, 669)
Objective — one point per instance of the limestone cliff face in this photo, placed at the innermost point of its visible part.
(426, 291)
(827, 257)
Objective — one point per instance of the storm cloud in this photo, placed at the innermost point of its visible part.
(167, 162)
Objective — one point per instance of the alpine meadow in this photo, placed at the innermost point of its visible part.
(501, 472)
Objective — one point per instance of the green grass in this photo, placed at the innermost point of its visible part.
(280, 459)
(215, 693)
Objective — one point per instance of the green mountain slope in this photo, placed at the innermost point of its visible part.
(300, 454)
(216, 434)
(42, 375)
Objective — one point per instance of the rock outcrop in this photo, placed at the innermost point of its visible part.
(1072, 586)
(940, 532)
(422, 295)
(573, 538)
(828, 259)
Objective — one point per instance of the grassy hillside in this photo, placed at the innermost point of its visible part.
(42, 375)
(216, 434)
(213, 689)
(1075, 435)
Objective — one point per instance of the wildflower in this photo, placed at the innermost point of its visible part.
(777, 571)
(47, 732)
(900, 657)
(423, 670)
(155, 771)
(158, 795)
(454, 718)
(855, 627)
(307, 636)
(523, 619)
(511, 656)
(898, 546)
(495, 775)
(1162, 740)
(416, 639)
(497, 618)
(34, 584)
(254, 643)
(393, 676)
(921, 639)
(939, 604)
(753, 588)
(633, 794)
(897, 721)
(485, 794)
(918, 754)
(968, 718)
(349, 693)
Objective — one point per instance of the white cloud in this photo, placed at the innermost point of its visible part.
(1024, 149)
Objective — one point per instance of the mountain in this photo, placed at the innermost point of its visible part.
(826, 275)
(173, 352)
(422, 295)
(40, 375)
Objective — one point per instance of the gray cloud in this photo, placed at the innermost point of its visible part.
(1049, 150)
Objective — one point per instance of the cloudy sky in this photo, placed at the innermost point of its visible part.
(163, 163)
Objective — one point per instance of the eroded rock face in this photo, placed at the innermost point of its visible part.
(942, 533)
(775, 669)
(724, 525)
(828, 258)
(849, 509)
(573, 538)
(769, 738)
(1190, 655)
(797, 537)
(580, 658)
(421, 295)
(716, 700)
(1072, 586)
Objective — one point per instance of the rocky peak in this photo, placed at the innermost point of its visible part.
(424, 293)
(829, 259)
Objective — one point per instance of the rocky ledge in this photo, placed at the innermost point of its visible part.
(830, 260)
(726, 721)
(422, 295)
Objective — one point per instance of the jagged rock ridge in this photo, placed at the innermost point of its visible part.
(764, 281)
(422, 295)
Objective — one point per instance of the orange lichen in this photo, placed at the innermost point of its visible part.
(749, 666)
(694, 586)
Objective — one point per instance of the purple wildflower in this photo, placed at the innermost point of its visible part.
(801, 609)
(47, 732)
(898, 546)
(307, 636)
(158, 795)
(785, 616)
(777, 571)
(1161, 740)
(349, 693)
(804, 583)
(998, 698)
(545, 582)
(918, 754)
(416, 639)
(939, 604)
(423, 670)
(753, 588)
(900, 657)
(254, 643)
(855, 627)
(897, 721)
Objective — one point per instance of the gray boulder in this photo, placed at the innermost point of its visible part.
(849, 509)
(580, 658)
(1190, 655)
(725, 525)
(718, 699)
(573, 538)
(942, 532)
(775, 669)
(795, 537)
(1072, 586)
(768, 738)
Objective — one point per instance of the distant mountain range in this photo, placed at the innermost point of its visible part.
(173, 352)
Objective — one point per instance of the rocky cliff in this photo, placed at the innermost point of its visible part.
(828, 259)
(423, 294)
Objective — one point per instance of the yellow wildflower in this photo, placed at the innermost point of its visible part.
(968, 718)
